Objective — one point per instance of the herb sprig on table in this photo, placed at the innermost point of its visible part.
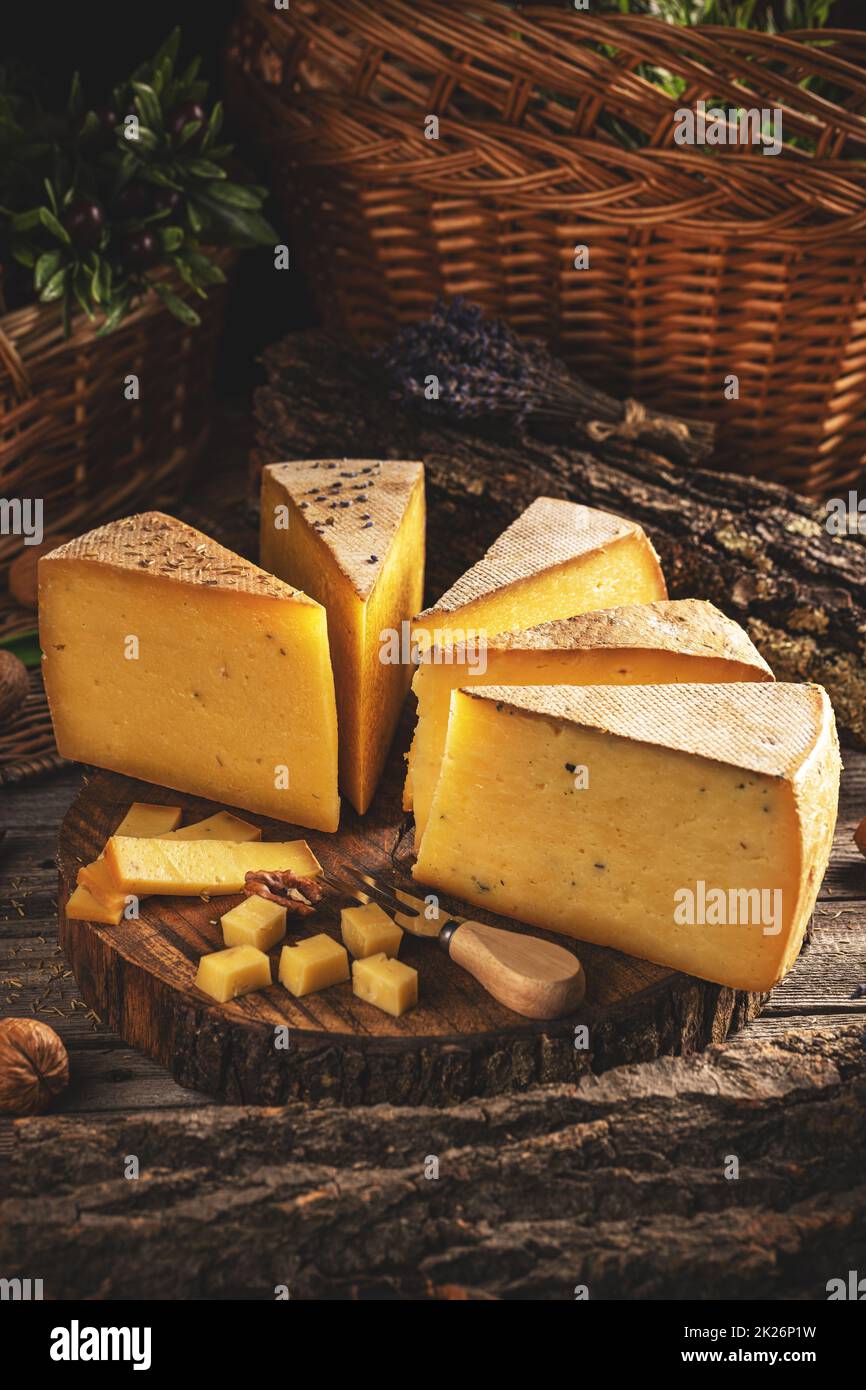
(98, 204)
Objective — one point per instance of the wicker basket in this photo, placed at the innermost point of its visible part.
(703, 263)
(69, 436)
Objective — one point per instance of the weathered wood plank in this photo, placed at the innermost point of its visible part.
(618, 1183)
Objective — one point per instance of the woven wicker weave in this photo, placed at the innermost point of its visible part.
(69, 436)
(703, 263)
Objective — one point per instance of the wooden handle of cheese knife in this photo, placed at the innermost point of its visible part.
(533, 977)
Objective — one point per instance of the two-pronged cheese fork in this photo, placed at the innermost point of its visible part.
(532, 977)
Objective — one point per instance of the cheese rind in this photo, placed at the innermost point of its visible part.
(683, 641)
(226, 975)
(604, 812)
(556, 560)
(185, 867)
(350, 532)
(167, 657)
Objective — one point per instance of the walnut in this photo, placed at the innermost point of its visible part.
(34, 1066)
(14, 684)
(297, 895)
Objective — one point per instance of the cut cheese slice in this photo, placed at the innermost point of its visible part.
(143, 819)
(350, 533)
(100, 884)
(648, 644)
(82, 906)
(184, 867)
(171, 659)
(221, 826)
(689, 825)
(556, 560)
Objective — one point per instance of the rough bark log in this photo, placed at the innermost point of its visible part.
(759, 551)
(617, 1183)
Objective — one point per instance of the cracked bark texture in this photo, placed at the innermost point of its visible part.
(617, 1183)
(759, 551)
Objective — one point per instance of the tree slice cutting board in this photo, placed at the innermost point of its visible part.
(458, 1042)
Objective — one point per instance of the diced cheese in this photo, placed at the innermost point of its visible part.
(221, 826)
(226, 975)
(313, 964)
(556, 560)
(200, 866)
(350, 533)
(254, 922)
(388, 984)
(647, 644)
(169, 658)
(84, 907)
(369, 931)
(143, 819)
(689, 825)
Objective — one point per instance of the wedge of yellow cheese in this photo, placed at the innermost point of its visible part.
(647, 644)
(98, 881)
(200, 866)
(556, 560)
(169, 658)
(350, 533)
(689, 825)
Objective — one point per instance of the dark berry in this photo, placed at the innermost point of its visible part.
(162, 198)
(182, 115)
(134, 200)
(83, 220)
(138, 250)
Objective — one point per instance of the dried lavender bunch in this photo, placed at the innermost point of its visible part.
(487, 371)
(483, 369)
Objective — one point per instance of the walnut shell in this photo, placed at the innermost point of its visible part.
(23, 572)
(14, 684)
(34, 1066)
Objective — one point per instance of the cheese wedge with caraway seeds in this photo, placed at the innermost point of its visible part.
(688, 825)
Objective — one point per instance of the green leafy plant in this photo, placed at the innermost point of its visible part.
(106, 203)
(774, 16)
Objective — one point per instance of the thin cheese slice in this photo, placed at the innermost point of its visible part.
(689, 825)
(556, 560)
(98, 881)
(82, 906)
(200, 866)
(143, 819)
(350, 533)
(221, 826)
(171, 659)
(647, 644)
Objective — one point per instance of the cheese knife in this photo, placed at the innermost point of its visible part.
(535, 978)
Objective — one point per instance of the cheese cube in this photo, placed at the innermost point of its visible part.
(82, 906)
(142, 819)
(368, 931)
(388, 984)
(313, 964)
(169, 658)
(254, 922)
(228, 974)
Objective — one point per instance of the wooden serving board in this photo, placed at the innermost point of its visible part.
(458, 1042)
